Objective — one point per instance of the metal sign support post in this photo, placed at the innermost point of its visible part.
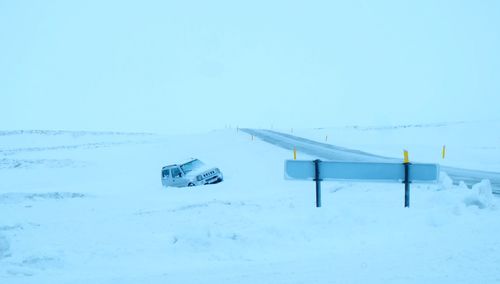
(318, 183)
(407, 184)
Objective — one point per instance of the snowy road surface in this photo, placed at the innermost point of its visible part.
(330, 152)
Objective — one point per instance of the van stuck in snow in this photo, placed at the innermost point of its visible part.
(191, 173)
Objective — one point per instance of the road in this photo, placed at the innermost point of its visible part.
(335, 153)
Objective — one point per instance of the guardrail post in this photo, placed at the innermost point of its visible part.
(407, 184)
(402, 173)
(318, 183)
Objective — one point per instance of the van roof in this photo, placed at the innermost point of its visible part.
(181, 163)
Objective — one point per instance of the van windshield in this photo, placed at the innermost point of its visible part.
(190, 166)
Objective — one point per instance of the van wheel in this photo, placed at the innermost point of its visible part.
(190, 184)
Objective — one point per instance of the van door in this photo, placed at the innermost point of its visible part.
(178, 177)
(165, 177)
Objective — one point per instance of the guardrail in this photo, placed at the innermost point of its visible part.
(318, 171)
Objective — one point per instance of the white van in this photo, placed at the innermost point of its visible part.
(191, 173)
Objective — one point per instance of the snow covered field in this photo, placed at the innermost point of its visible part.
(80, 207)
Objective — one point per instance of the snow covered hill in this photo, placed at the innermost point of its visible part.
(90, 208)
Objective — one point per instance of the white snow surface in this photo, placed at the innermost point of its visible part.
(91, 209)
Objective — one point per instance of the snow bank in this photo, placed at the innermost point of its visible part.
(481, 196)
(445, 182)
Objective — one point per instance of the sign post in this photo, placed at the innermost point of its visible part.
(406, 162)
(317, 179)
(319, 171)
(407, 184)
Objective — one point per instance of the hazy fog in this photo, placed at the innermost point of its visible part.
(196, 65)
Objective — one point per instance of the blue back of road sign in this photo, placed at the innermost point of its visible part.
(383, 172)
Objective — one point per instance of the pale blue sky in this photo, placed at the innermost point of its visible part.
(198, 65)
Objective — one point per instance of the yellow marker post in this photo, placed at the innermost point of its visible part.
(406, 163)
(443, 152)
(406, 159)
(294, 153)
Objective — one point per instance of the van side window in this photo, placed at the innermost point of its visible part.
(176, 172)
(165, 173)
